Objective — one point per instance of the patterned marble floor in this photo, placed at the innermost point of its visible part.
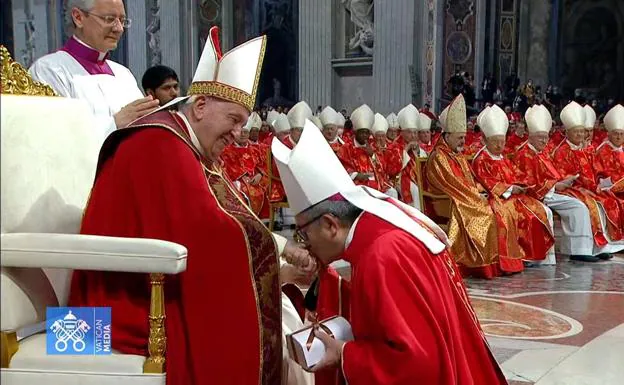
(556, 325)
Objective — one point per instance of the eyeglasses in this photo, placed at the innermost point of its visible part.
(300, 235)
(110, 21)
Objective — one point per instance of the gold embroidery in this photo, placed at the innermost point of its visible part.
(17, 81)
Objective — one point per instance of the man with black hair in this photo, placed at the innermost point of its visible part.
(162, 83)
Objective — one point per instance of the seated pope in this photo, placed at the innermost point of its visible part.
(410, 316)
(162, 178)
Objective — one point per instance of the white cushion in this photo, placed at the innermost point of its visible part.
(91, 252)
(32, 355)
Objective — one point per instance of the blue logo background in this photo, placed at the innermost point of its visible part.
(78, 330)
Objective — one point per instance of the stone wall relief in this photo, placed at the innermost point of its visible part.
(28, 52)
(360, 31)
(430, 52)
(153, 33)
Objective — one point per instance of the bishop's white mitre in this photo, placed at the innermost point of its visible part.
(590, 116)
(380, 125)
(424, 122)
(494, 122)
(408, 118)
(329, 116)
(298, 114)
(573, 116)
(538, 119)
(311, 173)
(614, 119)
(393, 120)
(362, 118)
(281, 124)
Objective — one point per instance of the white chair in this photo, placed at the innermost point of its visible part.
(49, 156)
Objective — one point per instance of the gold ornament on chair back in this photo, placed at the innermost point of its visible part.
(17, 81)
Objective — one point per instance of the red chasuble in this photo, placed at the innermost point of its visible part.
(513, 142)
(572, 162)
(241, 164)
(411, 317)
(408, 176)
(497, 176)
(609, 163)
(599, 137)
(223, 313)
(356, 160)
(542, 174)
(390, 157)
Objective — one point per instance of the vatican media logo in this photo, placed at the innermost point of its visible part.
(78, 330)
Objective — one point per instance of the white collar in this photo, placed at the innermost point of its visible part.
(101, 55)
(352, 231)
(613, 145)
(574, 146)
(495, 157)
(194, 138)
(239, 146)
(336, 140)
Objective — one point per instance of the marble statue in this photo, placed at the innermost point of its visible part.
(154, 36)
(361, 12)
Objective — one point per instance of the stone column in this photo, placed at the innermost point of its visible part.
(315, 51)
(479, 43)
(170, 34)
(393, 55)
(137, 40)
(534, 41)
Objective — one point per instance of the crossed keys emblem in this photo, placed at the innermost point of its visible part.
(70, 328)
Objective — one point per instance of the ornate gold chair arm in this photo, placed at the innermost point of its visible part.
(157, 343)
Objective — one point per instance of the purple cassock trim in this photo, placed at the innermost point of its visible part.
(88, 57)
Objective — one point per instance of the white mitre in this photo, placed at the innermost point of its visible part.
(254, 121)
(380, 125)
(424, 122)
(272, 117)
(393, 120)
(590, 116)
(614, 119)
(482, 114)
(298, 114)
(281, 124)
(311, 173)
(329, 116)
(573, 116)
(408, 118)
(362, 118)
(538, 119)
(232, 76)
(494, 122)
(317, 122)
(340, 120)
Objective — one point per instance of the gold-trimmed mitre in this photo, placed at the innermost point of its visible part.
(455, 121)
(233, 76)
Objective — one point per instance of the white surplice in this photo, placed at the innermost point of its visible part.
(105, 94)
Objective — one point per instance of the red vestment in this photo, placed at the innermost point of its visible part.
(278, 194)
(513, 142)
(336, 145)
(390, 156)
(534, 231)
(415, 324)
(571, 161)
(355, 159)
(541, 173)
(599, 137)
(265, 136)
(223, 313)
(483, 239)
(241, 164)
(473, 143)
(609, 163)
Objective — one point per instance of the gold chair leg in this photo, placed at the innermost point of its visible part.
(157, 343)
(9, 346)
